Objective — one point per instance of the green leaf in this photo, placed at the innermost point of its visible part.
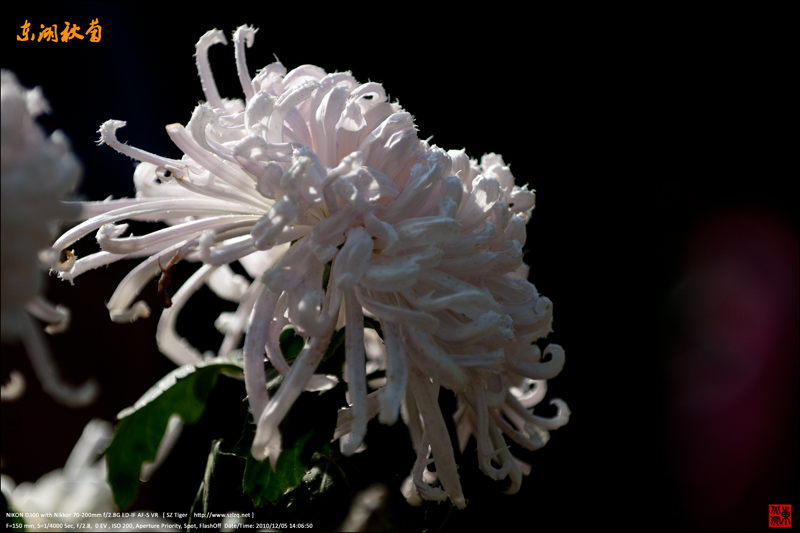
(305, 432)
(264, 485)
(184, 392)
(291, 344)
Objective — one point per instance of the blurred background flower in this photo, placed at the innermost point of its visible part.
(76, 495)
(79, 487)
(39, 172)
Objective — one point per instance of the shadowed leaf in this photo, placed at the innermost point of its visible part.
(184, 392)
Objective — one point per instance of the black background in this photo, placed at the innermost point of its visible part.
(632, 127)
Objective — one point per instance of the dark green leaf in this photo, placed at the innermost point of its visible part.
(291, 343)
(184, 392)
(305, 432)
(264, 485)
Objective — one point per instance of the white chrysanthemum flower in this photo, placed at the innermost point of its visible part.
(37, 173)
(313, 174)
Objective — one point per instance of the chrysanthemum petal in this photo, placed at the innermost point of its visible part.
(396, 374)
(426, 394)
(356, 375)
(266, 443)
(244, 35)
(209, 39)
